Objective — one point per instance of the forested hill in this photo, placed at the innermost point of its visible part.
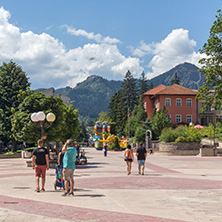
(92, 96)
(187, 73)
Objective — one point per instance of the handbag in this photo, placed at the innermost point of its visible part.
(126, 158)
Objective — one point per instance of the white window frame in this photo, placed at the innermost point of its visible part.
(178, 102)
(180, 117)
(190, 102)
(190, 118)
(168, 100)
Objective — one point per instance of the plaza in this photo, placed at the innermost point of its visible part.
(174, 188)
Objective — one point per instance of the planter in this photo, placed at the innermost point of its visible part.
(6, 156)
(179, 149)
(26, 154)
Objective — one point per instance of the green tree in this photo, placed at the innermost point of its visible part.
(83, 136)
(13, 81)
(143, 84)
(130, 91)
(64, 127)
(211, 66)
(103, 117)
(159, 121)
(176, 79)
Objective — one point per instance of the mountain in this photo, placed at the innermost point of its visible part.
(92, 96)
(187, 73)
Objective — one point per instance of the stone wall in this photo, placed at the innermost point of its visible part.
(179, 148)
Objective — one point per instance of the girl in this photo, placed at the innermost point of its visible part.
(128, 157)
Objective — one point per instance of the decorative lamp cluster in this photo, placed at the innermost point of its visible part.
(40, 116)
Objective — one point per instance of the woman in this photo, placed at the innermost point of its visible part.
(128, 157)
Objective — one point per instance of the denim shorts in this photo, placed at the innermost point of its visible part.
(141, 162)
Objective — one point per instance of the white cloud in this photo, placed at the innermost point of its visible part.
(90, 35)
(175, 49)
(49, 64)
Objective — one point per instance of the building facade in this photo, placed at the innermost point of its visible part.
(180, 102)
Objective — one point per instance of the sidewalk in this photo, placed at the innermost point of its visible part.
(172, 189)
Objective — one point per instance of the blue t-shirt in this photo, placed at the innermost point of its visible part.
(69, 159)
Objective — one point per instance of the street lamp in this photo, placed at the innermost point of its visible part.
(214, 124)
(40, 117)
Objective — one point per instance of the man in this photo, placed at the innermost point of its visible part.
(40, 162)
(141, 154)
(69, 166)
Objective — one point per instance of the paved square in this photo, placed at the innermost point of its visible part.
(174, 188)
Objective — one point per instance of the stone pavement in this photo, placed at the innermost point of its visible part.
(174, 188)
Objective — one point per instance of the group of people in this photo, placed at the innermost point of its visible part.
(40, 163)
(141, 154)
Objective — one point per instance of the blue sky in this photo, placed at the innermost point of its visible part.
(60, 43)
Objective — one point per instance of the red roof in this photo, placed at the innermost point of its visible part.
(155, 90)
(174, 89)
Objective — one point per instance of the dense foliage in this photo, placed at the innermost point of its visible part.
(64, 127)
(211, 66)
(13, 81)
(181, 134)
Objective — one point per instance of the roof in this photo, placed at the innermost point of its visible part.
(155, 90)
(176, 89)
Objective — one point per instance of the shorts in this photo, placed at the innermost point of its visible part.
(141, 162)
(130, 160)
(68, 174)
(40, 171)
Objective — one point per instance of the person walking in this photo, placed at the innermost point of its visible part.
(128, 157)
(69, 166)
(40, 162)
(141, 154)
(105, 149)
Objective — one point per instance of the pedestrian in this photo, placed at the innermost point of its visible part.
(40, 162)
(141, 154)
(60, 159)
(128, 157)
(105, 149)
(69, 166)
(78, 149)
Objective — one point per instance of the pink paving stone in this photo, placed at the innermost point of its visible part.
(73, 213)
(147, 182)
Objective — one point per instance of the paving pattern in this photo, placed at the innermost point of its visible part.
(172, 189)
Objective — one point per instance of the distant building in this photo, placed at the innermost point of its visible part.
(51, 92)
(180, 102)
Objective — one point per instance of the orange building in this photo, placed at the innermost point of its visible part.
(180, 102)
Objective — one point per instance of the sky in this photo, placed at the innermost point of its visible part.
(60, 43)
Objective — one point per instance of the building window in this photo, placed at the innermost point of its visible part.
(178, 102)
(189, 102)
(178, 118)
(168, 102)
(189, 118)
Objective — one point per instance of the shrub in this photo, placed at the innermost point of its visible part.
(181, 139)
(115, 146)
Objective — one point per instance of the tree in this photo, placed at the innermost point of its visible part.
(159, 121)
(176, 79)
(64, 127)
(103, 117)
(83, 137)
(143, 85)
(130, 92)
(12, 82)
(211, 66)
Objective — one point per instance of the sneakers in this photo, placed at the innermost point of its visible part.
(42, 189)
(37, 189)
(67, 193)
(71, 194)
(64, 194)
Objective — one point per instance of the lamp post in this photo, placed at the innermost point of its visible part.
(214, 124)
(40, 117)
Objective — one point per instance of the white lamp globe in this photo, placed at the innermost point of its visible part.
(50, 117)
(41, 116)
(34, 117)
